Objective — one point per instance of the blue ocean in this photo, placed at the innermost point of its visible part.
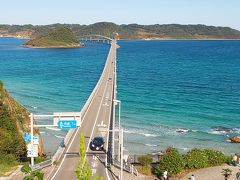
(182, 94)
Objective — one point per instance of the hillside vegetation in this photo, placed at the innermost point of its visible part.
(59, 37)
(14, 121)
(130, 31)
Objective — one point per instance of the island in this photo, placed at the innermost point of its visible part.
(61, 37)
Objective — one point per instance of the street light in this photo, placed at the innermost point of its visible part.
(119, 122)
(120, 155)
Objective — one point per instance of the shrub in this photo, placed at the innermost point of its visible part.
(226, 173)
(195, 159)
(172, 161)
(40, 159)
(145, 160)
(34, 174)
(201, 158)
(215, 158)
(26, 169)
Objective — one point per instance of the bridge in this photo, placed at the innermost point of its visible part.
(96, 37)
(97, 119)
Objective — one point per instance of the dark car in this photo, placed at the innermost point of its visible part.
(97, 143)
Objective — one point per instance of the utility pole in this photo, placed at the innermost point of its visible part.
(121, 154)
(31, 119)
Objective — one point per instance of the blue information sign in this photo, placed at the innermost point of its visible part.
(27, 137)
(67, 124)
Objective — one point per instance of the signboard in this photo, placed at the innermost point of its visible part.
(27, 137)
(32, 150)
(35, 139)
(67, 124)
(66, 116)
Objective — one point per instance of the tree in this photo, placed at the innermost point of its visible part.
(83, 170)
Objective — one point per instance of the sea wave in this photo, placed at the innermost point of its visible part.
(151, 145)
(182, 130)
(175, 130)
(34, 107)
(146, 134)
(220, 130)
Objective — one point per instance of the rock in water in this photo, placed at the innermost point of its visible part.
(235, 139)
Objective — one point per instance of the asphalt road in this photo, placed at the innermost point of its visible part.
(96, 122)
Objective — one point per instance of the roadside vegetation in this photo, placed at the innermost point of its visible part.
(83, 170)
(8, 163)
(175, 163)
(14, 120)
(145, 165)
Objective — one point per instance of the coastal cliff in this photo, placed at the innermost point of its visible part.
(57, 38)
(14, 121)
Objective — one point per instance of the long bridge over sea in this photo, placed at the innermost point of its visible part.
(96, 118)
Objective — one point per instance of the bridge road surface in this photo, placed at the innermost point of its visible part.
(95, 122)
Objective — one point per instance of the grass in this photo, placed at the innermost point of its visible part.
(8, 164)
(146, 170)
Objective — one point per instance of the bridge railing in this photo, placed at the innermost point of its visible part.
(126, 167)
(41, 165)
(60, 149)
(84, 109)
(90, 98)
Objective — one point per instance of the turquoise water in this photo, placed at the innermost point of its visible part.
(174, 93)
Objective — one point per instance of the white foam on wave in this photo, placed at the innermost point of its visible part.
(182, 130)
(34, 107)
(151, 145)
(54, 129)
(148, 135)
(224, 131)
(140, 133)
(236, 130)
(42, 132)
(167, 130)
(217, 132)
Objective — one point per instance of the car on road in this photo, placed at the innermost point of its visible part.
(97, 143)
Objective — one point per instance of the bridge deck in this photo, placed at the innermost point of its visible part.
(96, 120)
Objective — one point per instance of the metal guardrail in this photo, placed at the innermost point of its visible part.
(126, 167)
(60, 149)
(41, 165)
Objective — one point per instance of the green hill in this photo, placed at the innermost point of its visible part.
(129, 31)
(58, 37)
(14, 121)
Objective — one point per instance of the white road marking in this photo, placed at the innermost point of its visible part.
(94, 164)
(93, 171)
(102, 125)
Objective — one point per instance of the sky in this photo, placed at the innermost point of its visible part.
(208, 12)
